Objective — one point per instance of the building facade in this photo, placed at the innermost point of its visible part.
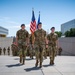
(67, 26)
(3, 32)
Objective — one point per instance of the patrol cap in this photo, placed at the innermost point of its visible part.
(39, 23)
(52, 28)
(22, 25)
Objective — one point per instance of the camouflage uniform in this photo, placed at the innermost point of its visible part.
(22, 44)
(52, 37)
(4, 50)
(8, 50)
(0, 50)
(14, 49)
(31, 47)
(59, 51)
(39, 45)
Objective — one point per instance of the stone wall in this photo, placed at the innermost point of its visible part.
(68, 45)
(6, 42)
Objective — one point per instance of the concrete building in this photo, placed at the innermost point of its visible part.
(3, 32)
(67, 26)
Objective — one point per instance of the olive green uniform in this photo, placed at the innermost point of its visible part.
(31, 47)
(22, 44)
(59, 51)
(39, 45)
(0, 50)
(52, 37)
(4, 50)
(8, 50)
(14, 49)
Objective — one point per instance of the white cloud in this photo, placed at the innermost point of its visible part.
(4, 18)
(12, 22)
(27, 25)
(8, 20)
(17, 26)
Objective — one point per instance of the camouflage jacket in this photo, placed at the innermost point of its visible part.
(52, 37)
(40, 36)
(22, 35)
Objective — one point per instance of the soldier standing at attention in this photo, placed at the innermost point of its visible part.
(22, 42)
(0, 50)
(52, 40)
(31, 47)
(59, 51)
(8, 50)
(4, 50)
(39, 42)
(14, 49)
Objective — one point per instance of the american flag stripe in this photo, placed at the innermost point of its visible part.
(33, 26)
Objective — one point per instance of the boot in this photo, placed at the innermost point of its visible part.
(51, 62)
(23, 61)
(40, 64)
(20, 59)
(36, 63)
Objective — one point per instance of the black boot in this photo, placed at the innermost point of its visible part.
(23, 60)
(40, 64)
(51, 62)
(36, 63)
(20, 59)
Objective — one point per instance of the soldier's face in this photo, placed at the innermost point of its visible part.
(23, 27)
(39, 26)
(53, 30)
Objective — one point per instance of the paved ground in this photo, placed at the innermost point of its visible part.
(64, 65)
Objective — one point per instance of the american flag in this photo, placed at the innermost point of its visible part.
(33, 23)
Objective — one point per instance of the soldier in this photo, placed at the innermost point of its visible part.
(31, 47)
(59, 51)
(8, 50)
(4, 50)
(14, 49)
(52, 41)
(22, 42)
(39, 44)
(0, 50)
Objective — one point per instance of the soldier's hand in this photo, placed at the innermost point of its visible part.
(46, 46)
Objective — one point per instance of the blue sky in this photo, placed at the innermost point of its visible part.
(52, 13)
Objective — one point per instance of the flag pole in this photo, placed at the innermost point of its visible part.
(32, 34)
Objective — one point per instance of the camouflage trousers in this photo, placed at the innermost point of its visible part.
(32, 52)
(22, 50)
(52, 52)
(39, 52)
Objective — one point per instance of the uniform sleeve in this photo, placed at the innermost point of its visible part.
(17, 34)
(45, 34)
(48, 37)
(27, 35)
